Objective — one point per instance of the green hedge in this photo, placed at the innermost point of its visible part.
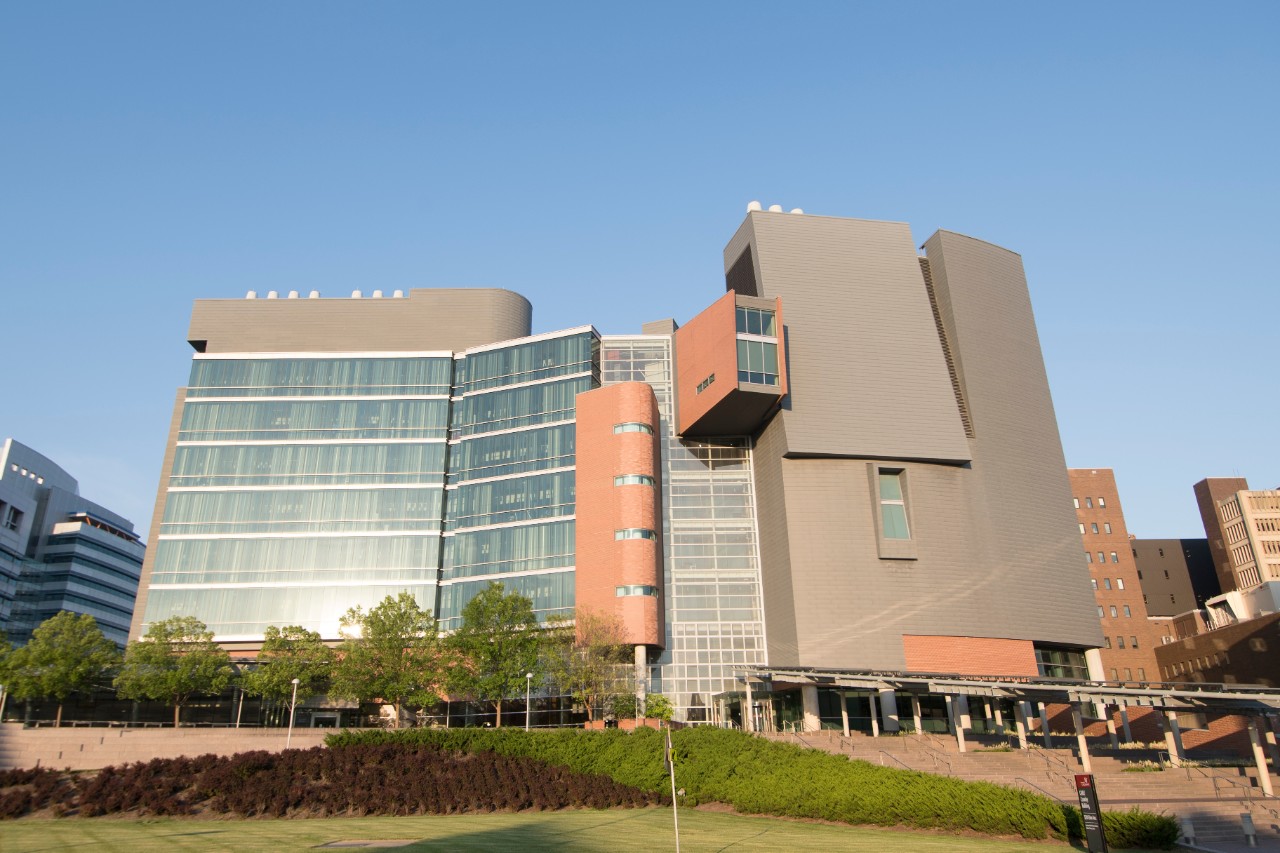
(758, 776)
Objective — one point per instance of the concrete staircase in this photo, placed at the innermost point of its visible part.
(1213, 798)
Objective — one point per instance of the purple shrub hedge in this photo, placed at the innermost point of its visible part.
(381, 779)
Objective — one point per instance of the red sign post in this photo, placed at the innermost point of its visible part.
(1094, 834)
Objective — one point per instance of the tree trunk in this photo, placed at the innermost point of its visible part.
(396, 723)
(177, 711)
(497, 723)
(57, 724)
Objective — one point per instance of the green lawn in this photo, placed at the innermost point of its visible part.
(621, 830)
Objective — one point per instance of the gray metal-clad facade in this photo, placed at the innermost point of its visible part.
(992, 536)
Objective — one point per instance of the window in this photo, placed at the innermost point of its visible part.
(1102, 558)
(633, 427)
(1094, 527)
(1119, 642)
(1142, 674)
(1107, 640)
(1128, 674)
(1114, 675)
(1106, 527)
(1088, 502)
(1088, 558)
(1161, 550)
(702, 386)
(1126, 611)
(1139, 574)
(1094, 582)
(1173, 599)
(1102, 503)
(757, 321)
(1113, 612)
(633, 480)
(757, 362)
(1100, 612)
(1082, 528)
(623, 591)
(1119, 583)
(1106, 582)
(1076, 502)
(893, 507)
(644, 533)
(12, 518)
(1115, 558)
(1166, 574)
(1133, 641)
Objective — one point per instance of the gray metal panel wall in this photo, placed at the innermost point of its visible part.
(436, 319)
(865, 366)
(1030, 540)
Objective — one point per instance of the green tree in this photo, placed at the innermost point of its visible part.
(589, 658)
(175, 661)
(288, 653)
(67, 654)
(392, 652)
(658, 707)
(497, 644)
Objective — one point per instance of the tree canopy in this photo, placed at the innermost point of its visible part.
(391, 652)
(66, 654)
(497, 645)
(588, 659)
(288, 653)
(175, 661)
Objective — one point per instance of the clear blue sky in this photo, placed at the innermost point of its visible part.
(596, 157)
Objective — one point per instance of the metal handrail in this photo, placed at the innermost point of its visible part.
(1048, 794)
(884, 755)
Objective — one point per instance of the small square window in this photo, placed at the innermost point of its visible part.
(1106, 526)
(1133, 641)
(1102, 558)
(893, 506)
(1107, 640)
(1082, 528)
(1128, 674)
(1106, 582)
(1142, 674)
(1102, 503)
(1076, 501)
(1127, 612)
(1094, 527)
(1114, 676)
(1088, 557)
(1088, 502)
(1115, 558)
(1113, 612)
(1094, 582)
(1119, 583)
(1101, 613)
(1119, 642)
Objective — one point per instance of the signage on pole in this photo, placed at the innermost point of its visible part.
(1094, 835)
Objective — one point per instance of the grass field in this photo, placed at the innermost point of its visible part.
(621, 830)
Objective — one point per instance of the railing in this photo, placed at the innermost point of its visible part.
(1048, 794)
(896, 760)
(938, 757)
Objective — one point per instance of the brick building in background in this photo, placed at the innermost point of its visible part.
(1129, 638)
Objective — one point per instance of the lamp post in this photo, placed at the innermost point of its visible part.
(528, 686)
(293, 704)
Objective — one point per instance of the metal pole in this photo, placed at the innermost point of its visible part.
(528, 684)
(293, 704)
(675, 816)
(240, 708)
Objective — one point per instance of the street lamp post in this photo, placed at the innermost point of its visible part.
(293, 704)
(528, 686)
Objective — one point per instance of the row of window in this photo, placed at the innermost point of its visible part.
(1088, 503)
(633, 480)
(1128, 674)
(1103, 611)
(635, 589)
(635, 533)
(1106, 583)
(1196, 664)
(1102, 557)
(1106, 525)
(757, 321)
(1133, 642)
(633, 427)
(30, 475)
(706, 383)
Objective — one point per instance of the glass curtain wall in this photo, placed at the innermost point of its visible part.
(711, 566)
(302, 487)
(510, 499)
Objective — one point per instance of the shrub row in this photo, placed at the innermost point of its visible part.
(387, 779)
(762, 777)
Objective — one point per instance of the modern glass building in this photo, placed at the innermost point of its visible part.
(849, 459)
(59, 551)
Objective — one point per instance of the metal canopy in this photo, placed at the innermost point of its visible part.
(1174, 696)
